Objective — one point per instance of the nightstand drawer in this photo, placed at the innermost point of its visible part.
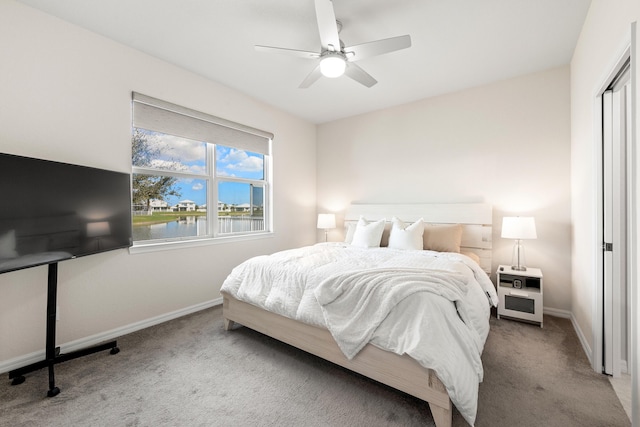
(520, 304)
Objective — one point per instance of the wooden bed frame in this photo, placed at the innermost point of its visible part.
(400, 372)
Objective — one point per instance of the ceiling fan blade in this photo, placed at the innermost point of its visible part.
(358, 74)
(311, 78)
(290, 52)
(327, 25)
(379, 47)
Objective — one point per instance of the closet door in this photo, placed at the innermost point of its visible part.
(616, 133)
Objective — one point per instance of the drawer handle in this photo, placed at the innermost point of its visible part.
(519, 294)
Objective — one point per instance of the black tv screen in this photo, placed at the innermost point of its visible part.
(53, 211)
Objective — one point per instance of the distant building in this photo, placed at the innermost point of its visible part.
(223, 207)
(185, 206)
(244, 207)
(157, 205)
(228, 207)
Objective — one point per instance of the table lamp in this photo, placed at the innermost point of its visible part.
(326, 221)
(518, 228)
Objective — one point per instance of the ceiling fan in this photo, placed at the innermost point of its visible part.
(335, 58)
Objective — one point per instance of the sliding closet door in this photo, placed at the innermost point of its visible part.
(607, 238)
(616, 109)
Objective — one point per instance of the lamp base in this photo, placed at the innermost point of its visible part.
(517, 258)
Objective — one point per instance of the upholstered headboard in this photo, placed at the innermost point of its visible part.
(475, 218)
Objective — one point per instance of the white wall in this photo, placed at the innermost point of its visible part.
(65, 95)
(506, 144)
(604, 37)
(635, 239)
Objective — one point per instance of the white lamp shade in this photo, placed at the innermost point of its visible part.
(332, 66)
(519, 227)
(326, 220)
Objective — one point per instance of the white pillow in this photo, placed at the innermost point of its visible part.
(8, 245)
(406, 237)
(351, 229)
(368, 234)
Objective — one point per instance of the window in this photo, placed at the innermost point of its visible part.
(196, 176)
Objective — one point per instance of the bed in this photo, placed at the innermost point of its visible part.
(314, 297)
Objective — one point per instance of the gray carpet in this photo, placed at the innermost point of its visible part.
(190, 372)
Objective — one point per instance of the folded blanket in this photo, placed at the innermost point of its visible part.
(355, 303)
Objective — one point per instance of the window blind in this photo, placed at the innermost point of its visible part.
(161, 116)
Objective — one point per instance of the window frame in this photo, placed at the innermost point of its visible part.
(213, 235)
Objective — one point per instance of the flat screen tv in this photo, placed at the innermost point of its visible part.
(51, 211)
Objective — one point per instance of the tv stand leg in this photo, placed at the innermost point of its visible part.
(18, 380)
(52, 352)
(53, 392)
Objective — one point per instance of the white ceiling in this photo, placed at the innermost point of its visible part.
(456, 44)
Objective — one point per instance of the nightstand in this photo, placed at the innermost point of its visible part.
(520, 294)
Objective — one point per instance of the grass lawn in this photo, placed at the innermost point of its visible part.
(160, 217)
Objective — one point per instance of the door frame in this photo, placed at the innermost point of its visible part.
(634, 294)
(598, 312)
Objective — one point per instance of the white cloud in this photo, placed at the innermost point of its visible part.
(175, 147)
(197, 186)
(198, 169)
(169, 165)
(240, 161)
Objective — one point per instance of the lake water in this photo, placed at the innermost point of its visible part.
(192, 226)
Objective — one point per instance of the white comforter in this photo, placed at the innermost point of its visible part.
(434, 307)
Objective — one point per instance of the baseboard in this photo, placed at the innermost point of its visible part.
(624, 368)
(569, 315)
(36, 356)
(556, 312)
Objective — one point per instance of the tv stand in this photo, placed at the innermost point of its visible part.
(52, 353)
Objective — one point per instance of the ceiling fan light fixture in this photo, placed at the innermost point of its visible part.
(332, 65)
(334, 55)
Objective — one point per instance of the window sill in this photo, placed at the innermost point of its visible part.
(166, 246)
